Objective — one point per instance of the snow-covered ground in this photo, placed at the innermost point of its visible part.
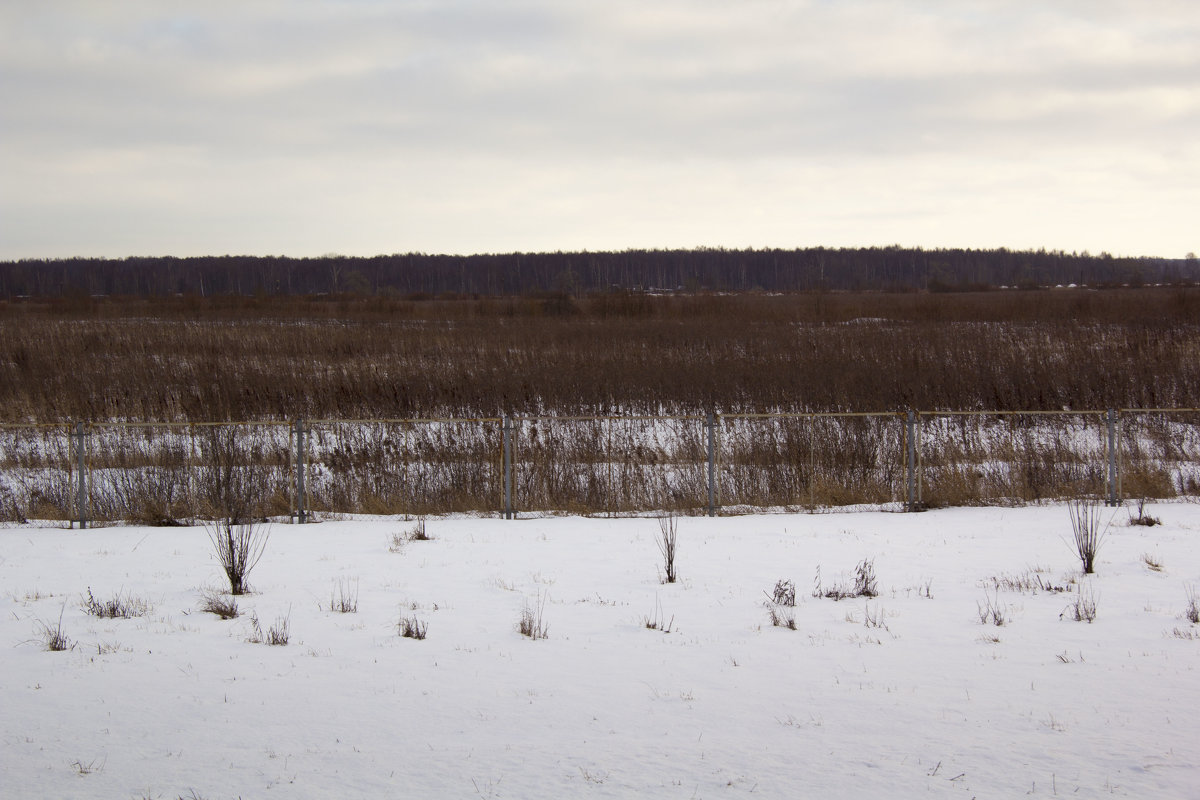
(929, 702)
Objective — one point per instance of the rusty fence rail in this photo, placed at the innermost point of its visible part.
(163, 473)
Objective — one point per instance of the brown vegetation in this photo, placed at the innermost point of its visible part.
(191, 359)
(637, 357)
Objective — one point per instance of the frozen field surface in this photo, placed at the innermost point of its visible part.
(906, 694)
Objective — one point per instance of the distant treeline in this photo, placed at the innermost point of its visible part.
(714, 269)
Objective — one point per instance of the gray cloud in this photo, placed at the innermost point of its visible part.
(121, 122)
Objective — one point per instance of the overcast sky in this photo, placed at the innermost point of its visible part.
(304, 127)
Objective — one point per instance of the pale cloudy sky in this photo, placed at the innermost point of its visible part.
(302, 127)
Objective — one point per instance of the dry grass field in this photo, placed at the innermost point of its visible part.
(267, 358)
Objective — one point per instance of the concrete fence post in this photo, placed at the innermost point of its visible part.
(1111, 418)
(80, 437)
(507, 428)
(711, 428)
(911, 460)
(301, 490)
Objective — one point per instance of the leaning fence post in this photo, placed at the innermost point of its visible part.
(507, 429)
(301, 491)
(1112, 458)
(81, 495)
(911, 436)
(710, 426)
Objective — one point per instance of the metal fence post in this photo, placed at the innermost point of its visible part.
(712, 464)
(911, 436)
(81, 494)
(507, 428)
(1112, 458)
(301, 490)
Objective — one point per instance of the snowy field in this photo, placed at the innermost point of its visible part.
(906, 694)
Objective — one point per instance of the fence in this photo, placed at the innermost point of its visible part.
(159, 473)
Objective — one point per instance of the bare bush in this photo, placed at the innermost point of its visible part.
(992, 611)
(784, 594)
(277, 635)
(782, 616)
(239, 544)
(532, 622)
(1142, 518)
(115, 607)
(657, 621)
(346, 599)
(1085, 515)
(215, 603)
(1083, 608)
(417, 533)
(668, 538)
(52, 637)
(412, 628)
(10, 508)
(1028, 581)
(865, 583)
(874, 619)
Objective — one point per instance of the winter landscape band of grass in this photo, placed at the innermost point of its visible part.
(963, 652)
(166, 474)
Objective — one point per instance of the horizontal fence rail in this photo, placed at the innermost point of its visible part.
(167, 473)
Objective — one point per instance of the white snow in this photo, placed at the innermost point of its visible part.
(179, 703)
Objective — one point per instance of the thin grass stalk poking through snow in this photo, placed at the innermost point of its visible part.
(53, 639)
(412, 628)
(120, 607)
(278, 634)
(532, 622)
(785, 593)
(658, 622)
(346, 599)
(216, 603)
(1084, 607)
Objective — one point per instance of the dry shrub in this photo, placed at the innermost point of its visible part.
(627, 354)
(668, 539)
(116, 607)
(1083, 607)
(234, 359)
(865, 584)
(345, 601)
(532, 621)
(1085, 513)
(277, 635)
(784, 593)
(223, 606)
(782, 616)
(412, 628)
(52, 637)
(992, 611)
(238, 546)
